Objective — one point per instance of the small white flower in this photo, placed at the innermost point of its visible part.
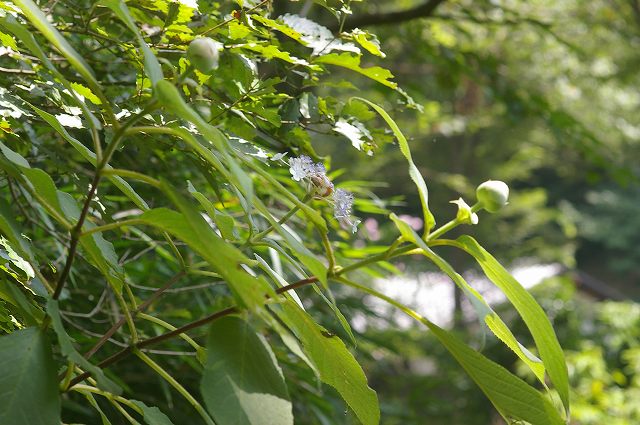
(343, 203)
(342, 207)
(300, 167)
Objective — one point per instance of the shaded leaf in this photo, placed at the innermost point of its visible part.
(68, 350)
(152, 415)
(242, 383)
(28, 381)
(414, 173)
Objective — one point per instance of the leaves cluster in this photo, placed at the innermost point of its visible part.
(133, 183)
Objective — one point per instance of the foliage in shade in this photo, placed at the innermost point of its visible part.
(28, 381)
(242, 383)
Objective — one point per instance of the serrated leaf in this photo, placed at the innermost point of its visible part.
(336, 365)
(28, 381)
(242, 383)
(368, 41)
(349, 61)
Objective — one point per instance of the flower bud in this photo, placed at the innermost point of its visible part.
(203, 54)
(493, 195)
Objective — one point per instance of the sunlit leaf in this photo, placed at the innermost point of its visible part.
(335, 363)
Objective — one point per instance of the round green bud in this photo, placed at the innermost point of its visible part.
(203, 54)
(493, 195)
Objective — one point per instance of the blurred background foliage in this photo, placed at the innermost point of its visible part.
(541, 94)
(544, 95)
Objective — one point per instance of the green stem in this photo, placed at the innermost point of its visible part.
(111, 226)
(68, 375)
(329, 251)
(132, 175)
(270, 229)
(383, 297)
(127, 315)
(175, 384)
(169, 326)
(88, 388)
(450, 225)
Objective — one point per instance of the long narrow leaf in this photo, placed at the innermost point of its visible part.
(530, 311)
(512, 397)
(484, 311)
(414, 173)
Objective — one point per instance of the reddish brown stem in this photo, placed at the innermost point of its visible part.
(189, 326)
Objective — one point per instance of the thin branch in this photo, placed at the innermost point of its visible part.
(183, 329)
(140, 308)
(423, 10)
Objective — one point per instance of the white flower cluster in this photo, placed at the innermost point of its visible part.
(303, 167)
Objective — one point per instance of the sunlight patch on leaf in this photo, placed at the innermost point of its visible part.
(368, 41)
(346, 60)
(70, 121)
(317, 37)
(356, 133)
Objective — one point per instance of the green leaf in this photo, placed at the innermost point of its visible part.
(28, 381)
(225, 223)
(88, 155)
(67, 349)
(484, 311)
(152, 415)
(242, 383)
(170, 97)
(16, 259)
(63, 207)
(512, 397)
(368, 41)
(25, 36)
(86, 92)
(101, 253)
(278, 26)
(9, 228)
(429, 219)
(35, 15)
(151, 64)
(349, 61)
(223, 257)
(334, 362)
(30, 312)
(532, 314)
(302, 253)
